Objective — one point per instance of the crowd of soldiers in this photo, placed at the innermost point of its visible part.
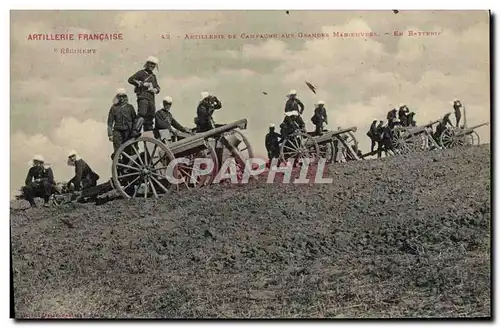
(123, 124)
(380, 133)
(293, 122)
(40, 181)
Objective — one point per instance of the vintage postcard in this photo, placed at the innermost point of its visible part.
(250, 164)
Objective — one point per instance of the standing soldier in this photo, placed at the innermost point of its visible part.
(319, 117)
(208, 104)
(411, 119)
(372, 134)
(272, 143)
(121, 119)
(402, 114)
(146, 87)
(391, 115)
(293, 103)
(456, 106)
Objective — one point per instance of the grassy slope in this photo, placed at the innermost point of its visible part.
(391, 238)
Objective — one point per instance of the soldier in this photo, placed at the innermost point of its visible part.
(373, 135)
(393, 123)
(402, 114)
(441, 127)
(385, 143)
(411, 119)
(165, 124)
(456, 107)
(293, 103)
(273, 143)
(391, 115)
(208, 104)
(84, 177)
(39, 182)
(121, 120)
(319, 117)
(146, 87)
(292, 123)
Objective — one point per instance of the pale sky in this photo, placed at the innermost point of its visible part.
(61, 102)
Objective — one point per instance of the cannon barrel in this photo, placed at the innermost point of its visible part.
(351, 129)
(471, 129)
(431, 123)
(330, 135)
(200, 137)
(421, 128)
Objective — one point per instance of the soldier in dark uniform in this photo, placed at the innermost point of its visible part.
(205, 110)
(292, 123)
(319, 117)
(441, 127)
(457, 105)
(293, 103)
(391, 115)
(84, 177)
(164, 120)
(273, 143)
(372, 134)
(39, 182)
(146, 87)
(121, 120)
(402, 114)
(411, 119)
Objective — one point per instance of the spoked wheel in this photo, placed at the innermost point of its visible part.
(420, 142)
(299, 145)
(140, 168)
(234, 144)
(472, 139)
(402, 141)
(452, 138)
(194, 173)
(351, 140)
(327, 152)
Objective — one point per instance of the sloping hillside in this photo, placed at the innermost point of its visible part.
(397, 237)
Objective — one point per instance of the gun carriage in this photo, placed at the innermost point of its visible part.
(454, 137)
(405, 140)
(141, 166)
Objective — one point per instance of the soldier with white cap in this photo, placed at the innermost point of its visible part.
(84, 177)
(319, 117)
(293, 103)
(146, 87)
(121, 120)
(273, 143)
(292, 122)
(165, 123)
(39, 182)
(206, 107)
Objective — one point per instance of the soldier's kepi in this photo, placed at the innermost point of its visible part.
(121, 120)
(146, 87)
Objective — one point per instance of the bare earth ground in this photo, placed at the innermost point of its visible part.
(397, 237)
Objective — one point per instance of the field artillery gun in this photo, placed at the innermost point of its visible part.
(405, 140)
(454, 137)
(141, 166)
(327, 145)
(342, 145)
